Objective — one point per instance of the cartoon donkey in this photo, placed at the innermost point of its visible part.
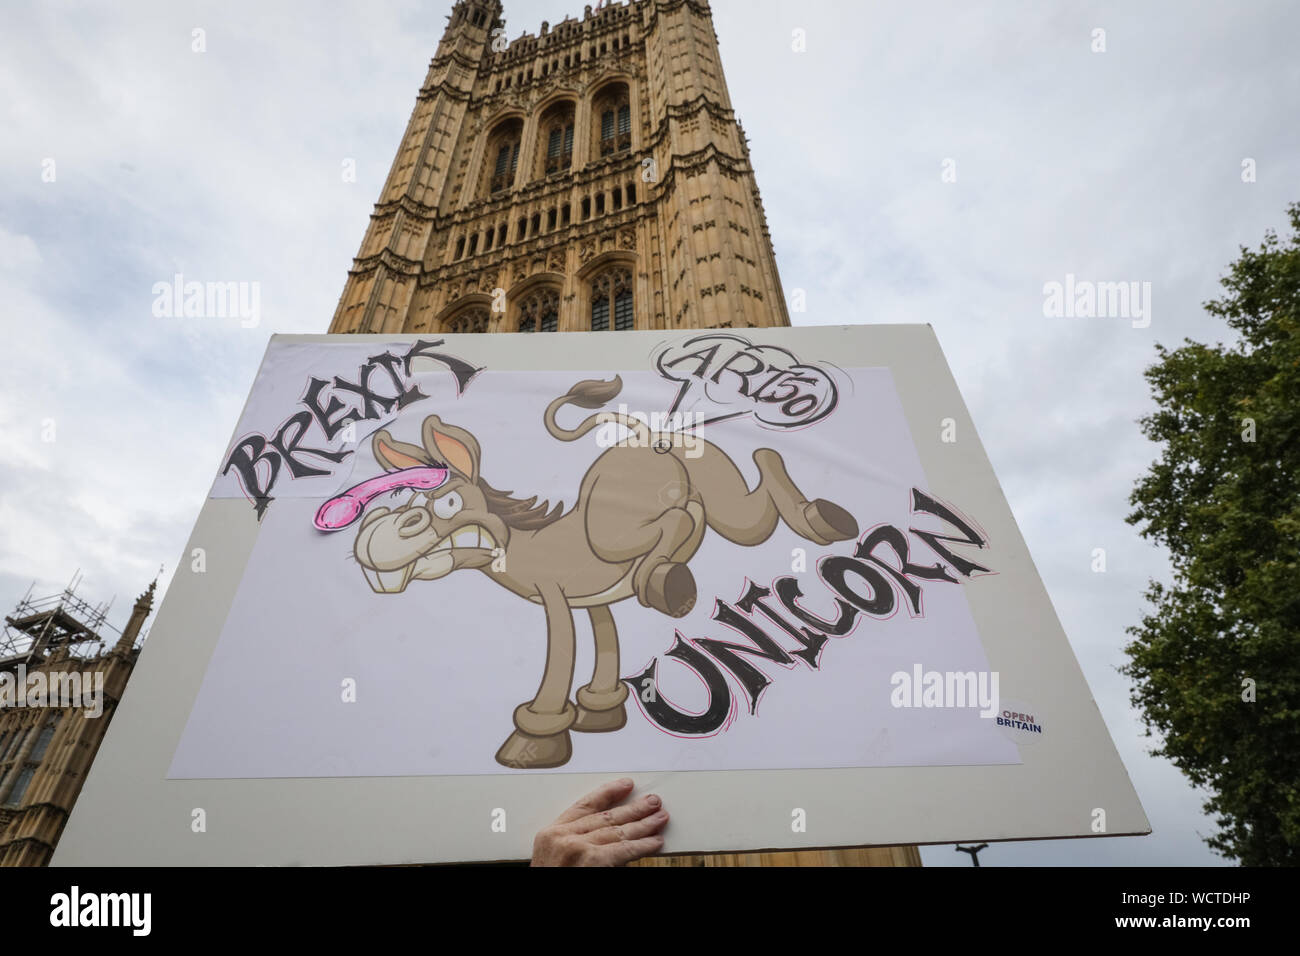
(641, 513)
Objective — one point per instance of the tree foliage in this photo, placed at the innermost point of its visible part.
(1224, 498)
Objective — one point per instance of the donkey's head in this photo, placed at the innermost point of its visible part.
(436, 530)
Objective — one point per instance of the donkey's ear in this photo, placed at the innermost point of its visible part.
(457, 447)
(396, 455)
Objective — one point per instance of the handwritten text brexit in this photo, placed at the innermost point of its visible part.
(862, 584)
(257, 459)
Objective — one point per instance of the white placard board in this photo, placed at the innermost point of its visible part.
(451, 580)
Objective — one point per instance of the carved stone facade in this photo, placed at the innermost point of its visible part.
(46, 751)
(601, 152)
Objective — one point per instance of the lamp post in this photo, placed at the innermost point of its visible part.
(973, 851)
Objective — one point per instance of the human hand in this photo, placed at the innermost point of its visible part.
(596, 831)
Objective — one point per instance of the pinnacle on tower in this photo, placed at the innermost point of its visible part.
(143, 605)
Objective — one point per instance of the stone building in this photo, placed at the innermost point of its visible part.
(590, 177)
(54, 654)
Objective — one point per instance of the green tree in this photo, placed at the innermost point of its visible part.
(1224, 498)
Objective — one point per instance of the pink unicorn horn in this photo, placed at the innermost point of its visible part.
(342, 510)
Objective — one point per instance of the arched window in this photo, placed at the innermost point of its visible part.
(611, 299)
(43, 741)
(473, 319)
(502, 156)
(20, 785)
(540, 312)
(613, 112)
(556, 138)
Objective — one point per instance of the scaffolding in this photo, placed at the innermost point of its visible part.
(40, 626)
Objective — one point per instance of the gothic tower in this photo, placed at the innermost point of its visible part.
(55, 655)
(590, 177)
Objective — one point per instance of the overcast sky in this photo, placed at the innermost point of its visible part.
(1122, 165)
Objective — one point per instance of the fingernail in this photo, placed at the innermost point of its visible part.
(625, 782)
(653, 800)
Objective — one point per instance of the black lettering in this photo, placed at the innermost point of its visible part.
(881, 602)
(787, 589)
(787, 380)
(757, 366)
(286, 442)
(751, 678)
(462, 370)
(891, 536)
(670, 718)
(812, 641)
(705, 357)
(390, 363)
(800, 404)
(926, 505)
(323, 416)
(373, 404)
(244, 459)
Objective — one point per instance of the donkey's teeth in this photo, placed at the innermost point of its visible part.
(471, 536)
(466, 537)
(388, 582)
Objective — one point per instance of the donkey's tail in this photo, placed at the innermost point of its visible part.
(593, 393)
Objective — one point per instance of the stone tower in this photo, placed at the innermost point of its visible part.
(590, 177)
(55, 655)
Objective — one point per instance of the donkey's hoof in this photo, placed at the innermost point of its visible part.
(829, 521)
(523, 751)
(671, 589)
(600, 721)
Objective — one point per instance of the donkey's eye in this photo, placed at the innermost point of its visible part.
(418, 500)
(448, 505)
